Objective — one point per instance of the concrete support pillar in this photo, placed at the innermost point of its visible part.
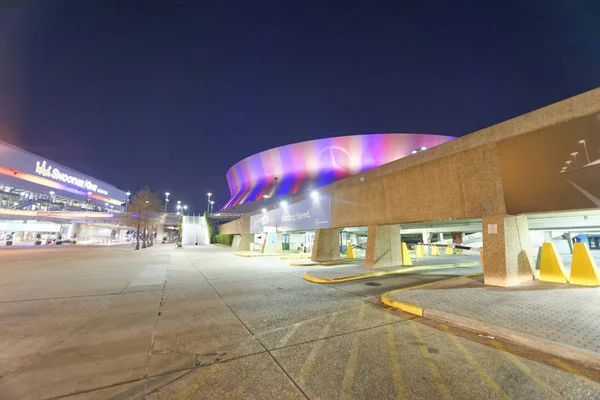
(383, 246)
(73, 230)
(507, 257)
(441, 236)
(326, 246)
(272, 246)
(569, 239)
(160, 232)
(426, 239)
(245, 242)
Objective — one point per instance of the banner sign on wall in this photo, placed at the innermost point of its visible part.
(308, 214)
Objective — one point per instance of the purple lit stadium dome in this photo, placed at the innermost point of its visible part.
(302, 166)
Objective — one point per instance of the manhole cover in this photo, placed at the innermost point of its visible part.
(373, 284)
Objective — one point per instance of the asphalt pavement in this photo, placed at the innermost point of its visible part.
(201, 323)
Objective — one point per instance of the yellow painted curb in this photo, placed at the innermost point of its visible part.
(407, 307)
(412, 308)
(341, 279)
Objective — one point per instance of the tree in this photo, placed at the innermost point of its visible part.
(144, 208)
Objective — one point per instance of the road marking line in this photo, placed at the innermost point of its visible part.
(474, 363)
(351, 364)
(306, 367)
(289, 334)
(526, 370)
(396, 368)
(202, 375)
(435, 374)
(563, 365)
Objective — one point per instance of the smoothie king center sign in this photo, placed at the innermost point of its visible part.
(55, 174)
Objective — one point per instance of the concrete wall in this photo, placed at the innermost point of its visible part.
(236, 227)
(459, 186)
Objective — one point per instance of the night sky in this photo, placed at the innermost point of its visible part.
(170, 94)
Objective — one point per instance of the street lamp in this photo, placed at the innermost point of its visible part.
(212, 203)
(180, 208)
(208, 204)
(127, 200)
(574, 155)
(166, 200)
(582, 141)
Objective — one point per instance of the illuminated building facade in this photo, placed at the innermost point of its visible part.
(303, 166)
(30, 184)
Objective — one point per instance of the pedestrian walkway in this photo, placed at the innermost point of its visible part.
(353, 272)
(558, 319)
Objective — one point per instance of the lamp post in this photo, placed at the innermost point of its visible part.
(574, 155)
(208, 204)
(180, 209)
(127, 200)
(587, 156)
(212, 203)
(166, 200)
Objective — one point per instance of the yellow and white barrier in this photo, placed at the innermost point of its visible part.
(405, 256)
(349, 250)
(552, 268)
(583, 267)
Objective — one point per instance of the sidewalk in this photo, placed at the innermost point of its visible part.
(558, 319)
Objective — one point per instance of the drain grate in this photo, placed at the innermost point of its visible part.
(373, 284)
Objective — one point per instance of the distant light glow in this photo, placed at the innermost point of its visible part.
(283, 204)
(423, 147)
(264, 210)
(314, 194)
(414, 151)
(316, 163)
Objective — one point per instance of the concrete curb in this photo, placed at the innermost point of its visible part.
(316, 279)
(542, 345)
